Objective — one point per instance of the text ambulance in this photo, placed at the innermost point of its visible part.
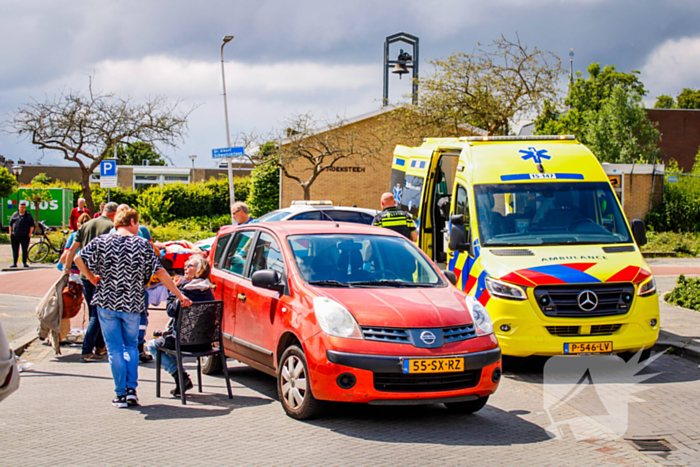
(532, 229)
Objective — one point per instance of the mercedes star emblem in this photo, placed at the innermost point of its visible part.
(587, 300)
(427, 337)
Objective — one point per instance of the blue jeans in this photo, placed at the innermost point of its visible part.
(169, 362)
(93, 335)
(143, 325)
(121, 333)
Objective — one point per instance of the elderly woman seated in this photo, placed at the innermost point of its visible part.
(196, 286)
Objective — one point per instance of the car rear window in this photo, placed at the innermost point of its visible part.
(345, 216)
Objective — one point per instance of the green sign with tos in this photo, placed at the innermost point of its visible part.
(55, 212)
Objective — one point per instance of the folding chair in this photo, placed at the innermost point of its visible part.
(198, 324)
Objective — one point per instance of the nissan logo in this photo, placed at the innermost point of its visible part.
(427, 337)
(587, 300)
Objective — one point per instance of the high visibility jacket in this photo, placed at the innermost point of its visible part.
(396, 220)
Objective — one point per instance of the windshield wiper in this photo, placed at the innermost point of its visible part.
(383, 282)
(330, 282)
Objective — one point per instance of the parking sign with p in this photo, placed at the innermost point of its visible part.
(108, 168)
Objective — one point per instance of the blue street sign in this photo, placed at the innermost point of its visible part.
(672, 179)
(227, 152)
(108, 168)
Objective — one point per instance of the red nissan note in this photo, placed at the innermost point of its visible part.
(352, 313)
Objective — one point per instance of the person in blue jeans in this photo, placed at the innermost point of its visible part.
(144, 357)
(118, 265)
(196, 286)
(90, 230)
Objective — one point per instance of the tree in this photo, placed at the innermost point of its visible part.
(587, 95)
(264, 183)
(621, 132)
(688, 99)
(85, 127)
(41, 180)
(135, 153)
(665, 102)
(488, 88)
(307, 147)
(8, 183)
(36, 196)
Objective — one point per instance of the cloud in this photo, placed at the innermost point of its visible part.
(672, 66)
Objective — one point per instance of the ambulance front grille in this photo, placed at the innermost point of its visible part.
(562, 300)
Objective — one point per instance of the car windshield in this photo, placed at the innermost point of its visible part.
(549, 214)
(343, 260)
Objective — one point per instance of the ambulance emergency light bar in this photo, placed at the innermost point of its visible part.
(518, 138)
(312, 203)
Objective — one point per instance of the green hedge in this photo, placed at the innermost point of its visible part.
(686, 293)
(680, 209)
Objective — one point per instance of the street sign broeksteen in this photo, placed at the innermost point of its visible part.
(223, 153)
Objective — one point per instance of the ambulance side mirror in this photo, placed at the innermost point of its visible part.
(639, 231)
(460, 238)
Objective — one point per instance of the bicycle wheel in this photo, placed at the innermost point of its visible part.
(38, 252)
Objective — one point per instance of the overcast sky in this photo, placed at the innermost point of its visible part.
(304, 56)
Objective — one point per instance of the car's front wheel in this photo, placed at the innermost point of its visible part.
(211, 365)
(467, 407)
(293, 386)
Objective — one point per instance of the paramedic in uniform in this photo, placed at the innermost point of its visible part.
(395, 219)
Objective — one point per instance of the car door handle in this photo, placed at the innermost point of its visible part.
(241, 297)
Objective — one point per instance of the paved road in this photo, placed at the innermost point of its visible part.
(17, 315)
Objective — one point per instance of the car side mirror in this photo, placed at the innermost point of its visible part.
(451, 276)
(460, 235)
(268, 279)
(639, 231)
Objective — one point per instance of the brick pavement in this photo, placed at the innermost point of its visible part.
(62, 415)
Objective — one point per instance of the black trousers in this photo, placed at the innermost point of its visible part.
(16, 241)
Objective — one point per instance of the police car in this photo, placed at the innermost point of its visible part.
(320, 211)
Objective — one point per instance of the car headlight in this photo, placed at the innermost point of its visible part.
(335, 319)
(647, 288)
(504, 290)
(481, 318)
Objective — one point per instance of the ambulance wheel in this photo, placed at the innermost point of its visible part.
(467, 407)
(293, 386)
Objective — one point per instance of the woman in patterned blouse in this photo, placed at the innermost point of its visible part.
(119, 264)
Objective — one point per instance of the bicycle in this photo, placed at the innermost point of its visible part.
(41, 249)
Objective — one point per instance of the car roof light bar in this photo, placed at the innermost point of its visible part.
(518, 138)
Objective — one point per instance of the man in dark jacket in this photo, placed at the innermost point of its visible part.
(196, 286)
(21, 229)
(395, 219)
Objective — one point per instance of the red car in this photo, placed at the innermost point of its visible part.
(352, 313)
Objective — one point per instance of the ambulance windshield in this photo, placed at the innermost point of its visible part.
(549, 214)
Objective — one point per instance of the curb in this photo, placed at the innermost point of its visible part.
(684, 350)
(19, 345)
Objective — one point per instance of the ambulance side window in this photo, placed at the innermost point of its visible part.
(462, 202)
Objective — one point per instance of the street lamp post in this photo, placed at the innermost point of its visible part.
(192, 158)
(17, 171)
(232, 196)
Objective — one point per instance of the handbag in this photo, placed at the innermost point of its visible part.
(72, 299)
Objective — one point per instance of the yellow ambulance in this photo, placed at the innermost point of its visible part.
(534, 233)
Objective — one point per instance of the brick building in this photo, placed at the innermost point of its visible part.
(134, 176)
(634, 185)
(680, 134)
(360, 181)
